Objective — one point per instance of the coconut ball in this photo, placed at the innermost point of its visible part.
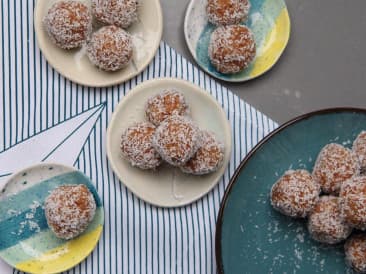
(110, 48)
(227, 12)
(177, 139)
(121, 13)
(355, 249)
(68, 24)
(167, 103)
(69, 209)
(231, 48)
(208, 158)
(325, 223)
(137, 148)
(334, 165)
(353, 202)
(295, 193)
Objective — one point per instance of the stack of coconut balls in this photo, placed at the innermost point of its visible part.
(332, 198)
(232, 47)
(69, 25)
(170, 135)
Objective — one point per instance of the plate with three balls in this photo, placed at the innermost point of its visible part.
(27, 243)
(252, 237)
(167, 186)
(268, 21)
(74, 64)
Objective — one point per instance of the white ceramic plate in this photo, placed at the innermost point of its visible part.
(26, 242)
(75, 65)
(269, 21)
(167, 186)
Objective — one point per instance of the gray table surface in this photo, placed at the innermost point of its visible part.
(324, 64)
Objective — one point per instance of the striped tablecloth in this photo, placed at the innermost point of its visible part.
(37, 104)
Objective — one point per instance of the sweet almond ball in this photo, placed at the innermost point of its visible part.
(334, 165)
(69, 209)
(353, 202)
(167, 103)
(208, 158)
(177, 139)
(355, 249)
(295, 193)
(121, 13)
(359, 148)
(227, 12)
(68, 24)
(137, 148)
(110, 48)
(325, 223)
(232, 48)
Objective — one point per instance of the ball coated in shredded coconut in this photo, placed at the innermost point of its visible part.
(136, 146)
(325, 223)
(69, 209)
(110, 48)
(121, 13)
(231, 48)
(334, 165)
(355, 249)
(359, 148)
(227, 12)
(68, 24)
(295, 193)
(353, 202)
(208, 158)
(161, 106)
(177, 139)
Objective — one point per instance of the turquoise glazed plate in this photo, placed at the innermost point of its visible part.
(269, 21)
(253, 238)
(26, 242)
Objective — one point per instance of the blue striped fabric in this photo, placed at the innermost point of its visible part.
(137, 237)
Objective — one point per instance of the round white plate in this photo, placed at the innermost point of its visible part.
(75, 65)
(167, 186)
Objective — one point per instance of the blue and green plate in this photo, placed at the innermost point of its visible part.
(26, 242)
(268, 19)
(251, 237)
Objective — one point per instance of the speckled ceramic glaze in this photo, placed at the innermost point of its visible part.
(75, 65)
(26, 242)
(268, 19)
(167, 186)
(251, 237)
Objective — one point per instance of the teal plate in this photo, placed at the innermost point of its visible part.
(253, 238)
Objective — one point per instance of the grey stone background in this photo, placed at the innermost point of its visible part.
(324, 64)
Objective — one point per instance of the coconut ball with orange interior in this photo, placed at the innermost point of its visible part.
(334, 165)
(355, 249)
(227, 12)
(121, 13)
(68, 24)
(353, 202)
(164, 104)
(208, 158)
(177, 139)
(231, 48)
(69, 209)
(110, 48)
(359, 148)
(295, 193)
(325, 222)
(137, 148)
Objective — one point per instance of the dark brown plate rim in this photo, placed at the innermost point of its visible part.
(233, 180)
